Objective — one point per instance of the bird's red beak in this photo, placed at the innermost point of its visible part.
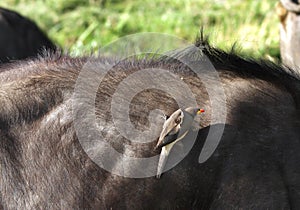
(200, 111)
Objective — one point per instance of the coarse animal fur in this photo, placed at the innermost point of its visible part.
(255, 166)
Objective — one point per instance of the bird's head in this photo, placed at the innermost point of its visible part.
(194, 111)
(199, 111)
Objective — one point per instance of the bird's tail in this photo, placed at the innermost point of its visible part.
(162, 161)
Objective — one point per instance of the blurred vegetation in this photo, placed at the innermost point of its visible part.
(85, 25)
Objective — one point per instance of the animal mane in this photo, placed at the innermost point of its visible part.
(65, 68)
(232, 61)
(222, 61)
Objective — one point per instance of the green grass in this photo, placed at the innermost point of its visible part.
(85, 25)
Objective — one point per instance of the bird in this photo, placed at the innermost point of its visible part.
(174, 129)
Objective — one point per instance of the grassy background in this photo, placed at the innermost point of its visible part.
(84, 25)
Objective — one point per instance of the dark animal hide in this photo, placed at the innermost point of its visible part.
(20, 37)
(255, 166)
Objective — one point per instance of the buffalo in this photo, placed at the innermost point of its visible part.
(45, 163)
(20, 37)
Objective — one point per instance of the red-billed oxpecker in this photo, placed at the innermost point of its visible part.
(174, 129)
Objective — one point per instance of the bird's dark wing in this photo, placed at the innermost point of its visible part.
(167, 140)
(171, 126)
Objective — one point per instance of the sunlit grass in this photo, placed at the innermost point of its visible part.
(82, 26)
